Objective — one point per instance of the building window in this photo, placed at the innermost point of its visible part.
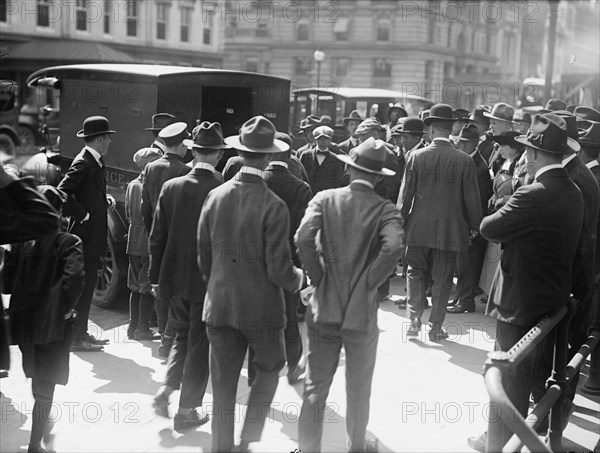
(3, 17)
(206, 33)
(342, 67)
(383, 30)
(262, 30)
(340, 29)
(302, 31)
(382, 68)
(108, 6)
(81, 15)
(43, 13)
(162, 16)
(184, 31)
(132, 17)
(302, 65)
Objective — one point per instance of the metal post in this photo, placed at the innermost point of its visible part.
(553, 15)
(559, 377)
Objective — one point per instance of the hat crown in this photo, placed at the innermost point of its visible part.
(478, 114)
(95, 125)
(370, 154)
(323, 130)
(440, 112)
(584, 112)
(555, 104)
(469, 132)
(460, 114)
(548, 132)
(208, 134)
(310, 121)
(412, 125)
(257, 132)
(174, 134)
(354, 116)
(161, 120)
(502, 111)
(571, 121)
(591, 135)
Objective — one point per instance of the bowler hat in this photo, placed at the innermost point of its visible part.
(411, 125)
(369, 156)
(572, 131)
(144, 156)
(323, 131)
(94, 125)
(502, 112)
(55, 196)
(161, 120)
(590, 137)
(507, 138)
(367, 125)
(208, 136)
(439, 112)
(548, 132)
(399, 106)
(478, 114)
(310, 122)
(554, 104)
(584, 112)
(354, 116)
(174, 134)
(468, 132)
(257, 135)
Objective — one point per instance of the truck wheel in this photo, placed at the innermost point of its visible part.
(7, 145)
(26, 135)
(110, 283)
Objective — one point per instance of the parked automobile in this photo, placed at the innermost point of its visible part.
(9, 119)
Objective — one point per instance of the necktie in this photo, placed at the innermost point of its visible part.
(101, 163)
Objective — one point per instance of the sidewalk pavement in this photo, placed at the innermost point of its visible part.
(426, 397)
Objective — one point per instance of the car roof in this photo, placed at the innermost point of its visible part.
(357, 93)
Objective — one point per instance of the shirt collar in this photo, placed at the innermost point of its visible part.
(482, 138)
(159, 145)
(205, 166)
(252, 171)
(443, 139)
(592, 164)
(543, 170)
(568, 159)
(472, 155)
(94, 153)
(278, 163)
(363, 181)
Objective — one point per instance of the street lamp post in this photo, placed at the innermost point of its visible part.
(319, 56)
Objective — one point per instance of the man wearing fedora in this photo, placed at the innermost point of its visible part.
(395, 112)
(323, 169)
(501, 120)
(343, 308)
(156, 173)
(159, 122)
(485, 145)
(174, 271)
(244, 256)
(470, 262)
(307, 126)
(441, 206)
(350, 123)
(540, 227)
(85, 185)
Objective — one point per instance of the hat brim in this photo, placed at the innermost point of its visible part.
(429, 119)
(349, 118)
(323, 135)
(82, 134)
(490, 116)
(278, 146)
(348, 160)
(191, 144)
(523, 140)
(409, 132)
(462, 139)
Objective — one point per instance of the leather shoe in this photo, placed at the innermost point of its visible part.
(85, 346)
(438, 335)
(477, 443)
(190, 420)
(461, 307)
(93, 340)
(414, 329)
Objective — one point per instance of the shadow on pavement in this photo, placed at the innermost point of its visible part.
(195, 439)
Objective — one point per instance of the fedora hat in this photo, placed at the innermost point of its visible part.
(502, 112)
(257, 135)
(95, 125)
(584, 112)
(354, 116)
(572, 131)
(411, 125)
(208, 136)
(548, 133)
(398, 106)
(590, 137)
(554, 104)
(439, 112)
(468, 133)
(161, 120)
(478, 114)
(507, 138)
(174, 134)
(369, 156)
(310, 122)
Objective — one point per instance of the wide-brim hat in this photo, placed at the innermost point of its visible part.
(507, 138)
(469, 132)
(583, 112)
(206, 136)
(478, 114)
(257, 135)
(310, 122)
(501, 112)
(548, 133)
(160, 121)
(369, 156)
(354, 116)
(399, 106)
(590, 137)
(554, 104)
(95, 125)
(572, 131)
(439, 112)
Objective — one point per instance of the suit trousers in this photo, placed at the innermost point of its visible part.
(291, 335)
(228, 348)
(161, 308)
(325, 342)
(188, 363)
(442, 270)
(91, 263)
(468, 271)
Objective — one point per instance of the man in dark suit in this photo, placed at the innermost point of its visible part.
(470, 262)
(174, 273)
(87, 204)
(244, 256)
(440, 203)
(540, 227)
(349, 241)
(156, 173)
(323, 169)
(351, 123)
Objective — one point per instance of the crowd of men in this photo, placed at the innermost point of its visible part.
(506, 205)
